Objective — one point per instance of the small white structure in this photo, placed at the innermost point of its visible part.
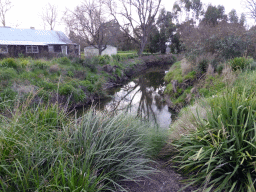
(92, 51)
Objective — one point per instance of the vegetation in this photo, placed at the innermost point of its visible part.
(43, 148)
(214, 138)
(63, 79)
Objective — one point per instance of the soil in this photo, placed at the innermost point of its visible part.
(165, 180)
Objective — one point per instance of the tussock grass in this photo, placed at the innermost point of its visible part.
(220, 153)
(186, 66)
(44, 149)
(188, 119)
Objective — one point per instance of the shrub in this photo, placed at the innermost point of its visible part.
(91, 64)
(202, 66)
(79, 95)
(219, 69)
(64, 60)
(117, 57)
(9, 62)
(70, 74)
(40, 64)
(66, 89)
(239, 63)
(7, 73)
(24, 63)
(119, 72)
(102, 60)
(220, 152)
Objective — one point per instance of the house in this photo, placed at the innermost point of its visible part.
(35, 43)
(92, 51)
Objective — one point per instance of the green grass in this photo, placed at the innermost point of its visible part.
(221, 151)
(44, 149)
(59, 73)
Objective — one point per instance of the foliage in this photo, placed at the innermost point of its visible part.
(221, 150)
(7, 73)
(66, 89)
(64, 60)
(214, 14)
(9, 62)
(45, 150)
(240, 63)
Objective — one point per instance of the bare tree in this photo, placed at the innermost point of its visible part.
(89, 21)
(136, 15)
(49, 15)
(5, 5)
(250, 5)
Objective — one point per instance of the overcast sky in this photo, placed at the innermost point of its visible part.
(26, 13)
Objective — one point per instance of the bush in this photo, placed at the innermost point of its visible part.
(219, 69)
(239, 63)
(220, 152)
(7, 73)
(39, 64)
(66, 89)
(64, 60)
(9, 62)
(202, 66)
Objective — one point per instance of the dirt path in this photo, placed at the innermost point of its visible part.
(166, 180)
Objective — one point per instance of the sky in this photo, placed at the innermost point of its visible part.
(26, 13)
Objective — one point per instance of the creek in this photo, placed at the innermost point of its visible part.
(142, 96)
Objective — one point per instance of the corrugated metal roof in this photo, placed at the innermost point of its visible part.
(11, 36)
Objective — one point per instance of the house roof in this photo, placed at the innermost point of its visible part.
(12, 36)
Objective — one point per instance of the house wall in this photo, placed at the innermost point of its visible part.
(89, 51)
(110, 51)
(44, 51)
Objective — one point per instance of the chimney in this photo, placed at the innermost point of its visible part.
(32, 27)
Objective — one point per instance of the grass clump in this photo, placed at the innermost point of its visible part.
(43, 149)
(220, 151)
(240, 63)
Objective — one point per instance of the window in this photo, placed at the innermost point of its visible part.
(32, 49)
(57, 48)
(3, 49)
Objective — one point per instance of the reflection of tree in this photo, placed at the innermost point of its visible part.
(145, 88)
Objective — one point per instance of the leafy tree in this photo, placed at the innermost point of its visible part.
(193, 7)
(166, 26)
(214, 14)
(154, 41)
(242, 19)
(232, 16)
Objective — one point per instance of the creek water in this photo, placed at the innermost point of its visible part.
(142, 96)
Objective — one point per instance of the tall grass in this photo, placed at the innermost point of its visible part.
(43, 149)
(220, 153)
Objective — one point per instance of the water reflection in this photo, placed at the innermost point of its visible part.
(143, 97)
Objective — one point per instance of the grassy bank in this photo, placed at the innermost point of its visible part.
(63, 80)
(214, 139)
(43, 148)
(193, 81)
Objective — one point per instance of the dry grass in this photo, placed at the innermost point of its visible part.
(23, 89)
(229, 75)
(54, 68)
(210, 70)
(187, 120)
(186, 66)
